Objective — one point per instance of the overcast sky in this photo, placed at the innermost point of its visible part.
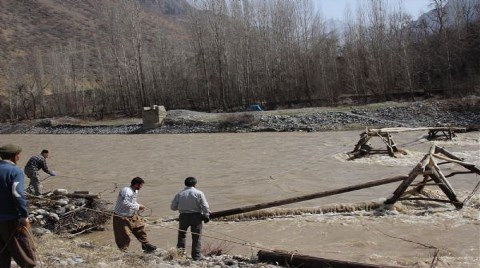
(335, 8)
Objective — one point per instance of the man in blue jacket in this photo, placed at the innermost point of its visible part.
(15, 239)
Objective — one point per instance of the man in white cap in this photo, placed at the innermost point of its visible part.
(15, 239)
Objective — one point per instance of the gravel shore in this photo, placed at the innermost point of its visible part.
(458, 113)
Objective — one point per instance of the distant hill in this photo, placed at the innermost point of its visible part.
(467, 9)
(42, 24)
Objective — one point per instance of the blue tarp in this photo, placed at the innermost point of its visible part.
(254, 107)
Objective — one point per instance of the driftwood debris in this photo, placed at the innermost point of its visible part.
(363, 146)
(296, 260)
(67, 213)
(83, 195)
(429, 169)
(239, 210)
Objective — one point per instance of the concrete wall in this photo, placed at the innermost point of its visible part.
(153, 116)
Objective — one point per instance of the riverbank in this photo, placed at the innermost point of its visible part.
(460, 113)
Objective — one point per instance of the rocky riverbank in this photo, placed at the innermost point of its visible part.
(56, 251)
(59, 218)
(461, 113)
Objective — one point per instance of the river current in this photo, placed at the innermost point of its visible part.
(241, 169)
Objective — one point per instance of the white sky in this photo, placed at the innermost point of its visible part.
(335, 9)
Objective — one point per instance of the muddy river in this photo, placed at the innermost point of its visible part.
(237, 170)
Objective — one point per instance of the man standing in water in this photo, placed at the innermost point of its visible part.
(15, 239)
(193, 208)
(127, 220)
(32, 168)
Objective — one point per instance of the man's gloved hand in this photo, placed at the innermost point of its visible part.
(206, 219)
(53, 173)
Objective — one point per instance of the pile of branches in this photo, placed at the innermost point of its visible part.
(64, 213)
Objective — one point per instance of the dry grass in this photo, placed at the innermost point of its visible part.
(173, 254)
(216, 248)
(56, 251)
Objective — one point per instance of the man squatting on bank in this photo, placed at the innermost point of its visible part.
(126, 219)
(32, 168)
(15, 239)
(193, 208)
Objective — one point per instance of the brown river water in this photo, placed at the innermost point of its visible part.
(244, 169)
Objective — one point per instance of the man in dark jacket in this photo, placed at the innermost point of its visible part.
(32, 168)
(15, 239)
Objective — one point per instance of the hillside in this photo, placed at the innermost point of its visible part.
(105, 58)
(44, 24)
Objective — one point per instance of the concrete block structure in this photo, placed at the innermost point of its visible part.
(153, 116)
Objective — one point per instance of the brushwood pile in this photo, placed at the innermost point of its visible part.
(62, 213)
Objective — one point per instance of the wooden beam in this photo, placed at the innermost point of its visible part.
(442, 178)
(91, 196)
(425, 199)
(451, 195)
(405, 129)
(451, 156)
(239, 210)
(465, 164)
(417, 170)
(296, 260)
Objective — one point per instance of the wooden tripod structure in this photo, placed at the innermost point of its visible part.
(363, 147)
(432, 175)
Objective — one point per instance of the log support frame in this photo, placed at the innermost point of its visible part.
(363, 148)
(431, 171)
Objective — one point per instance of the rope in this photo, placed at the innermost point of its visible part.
(243, 243)
(29, 236)
(8, 242)
(436, 253)
(143, 214)
(44, 179)
(475, 190)
(62, 176)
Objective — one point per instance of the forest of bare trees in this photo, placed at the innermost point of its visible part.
(280, 53)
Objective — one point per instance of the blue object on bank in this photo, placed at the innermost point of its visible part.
(254, 107)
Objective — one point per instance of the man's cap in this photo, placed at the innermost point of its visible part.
(10, 148)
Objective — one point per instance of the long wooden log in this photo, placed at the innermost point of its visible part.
(451, 156)
(75, 195)
(296, 260)
(234, 211)
(451, 195)
(465, 164)
(417, 170)
(404, 129)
